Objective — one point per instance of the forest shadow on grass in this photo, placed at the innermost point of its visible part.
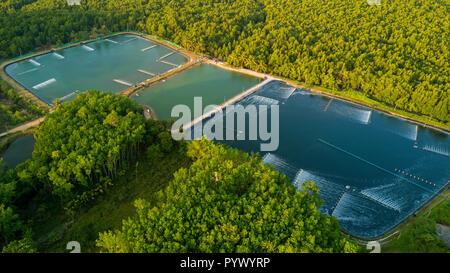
(111, 208)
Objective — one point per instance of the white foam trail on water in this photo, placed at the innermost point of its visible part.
(122, 82)
(69, 95)
(260, 100)
(280, 165)
(304, 175)
(352, 208)
(111, 41)
(378, 195)
(410, 133)
(43, 84)
(169, 63)
(291, 92)
(28, 71)
(148, 48)
(303, 93)
(286, 92)
(57, 55)
(349, 111)
(265, 158)
(34, 62)
(167, 55)
(329, 191)
(437, 149)
(129, 40)
(277, 91)
(146, 72)
(337, 208)
(87, 48)
(298, 181)
(416, 133)
(363, 116)
(380, 187)
(368, 117)
(341, 197)
(405, 129)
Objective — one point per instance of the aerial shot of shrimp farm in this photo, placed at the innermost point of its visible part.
(224, 127)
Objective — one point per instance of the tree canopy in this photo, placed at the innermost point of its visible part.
(82, 147)
(85, 140)
(229, 201)
(396, 53)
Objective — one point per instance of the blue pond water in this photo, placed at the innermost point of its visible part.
(373, 170)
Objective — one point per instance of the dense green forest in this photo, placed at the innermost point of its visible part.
(396, 53)
(83, 150)
(228, 202)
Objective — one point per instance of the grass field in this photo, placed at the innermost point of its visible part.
(420, 235)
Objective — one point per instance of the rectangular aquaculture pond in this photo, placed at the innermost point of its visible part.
(373, 170)
(213, 84)
(110, 65)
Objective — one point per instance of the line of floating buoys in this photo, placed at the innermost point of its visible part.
(415, 177)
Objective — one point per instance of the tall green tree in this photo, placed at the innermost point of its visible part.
(9, 223)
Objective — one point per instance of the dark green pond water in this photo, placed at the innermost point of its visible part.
(213, 84)
(108, 65)
(19, 151)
